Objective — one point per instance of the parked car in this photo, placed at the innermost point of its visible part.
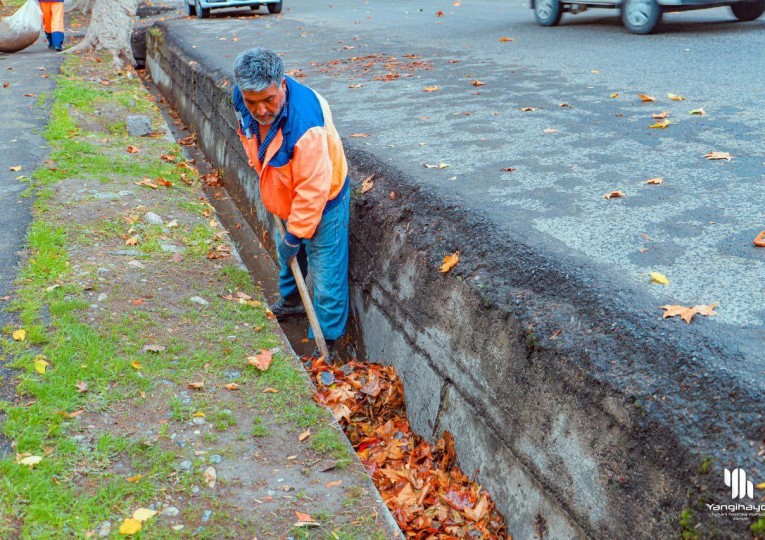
(201, 8)
(642, 16)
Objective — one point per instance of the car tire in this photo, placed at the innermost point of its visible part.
(548, 12)
(748, 11)
(255, 7)
(275, 8)
(191, 10)
(641, 16)
(202, 13)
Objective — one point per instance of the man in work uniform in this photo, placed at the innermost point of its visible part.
(53, 21)
(289, 137)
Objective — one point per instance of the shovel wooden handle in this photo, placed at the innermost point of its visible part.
(306, 297)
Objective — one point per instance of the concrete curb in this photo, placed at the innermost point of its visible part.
(603, 431)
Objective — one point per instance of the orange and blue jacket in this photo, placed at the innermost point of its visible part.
(302, 168)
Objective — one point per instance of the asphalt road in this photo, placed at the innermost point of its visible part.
(696, 228)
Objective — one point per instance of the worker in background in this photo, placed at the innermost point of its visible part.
(289, 137)
(53, 20)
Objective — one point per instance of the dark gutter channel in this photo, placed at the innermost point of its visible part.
(599, 432)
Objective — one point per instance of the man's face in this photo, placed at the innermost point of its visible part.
(265, 105)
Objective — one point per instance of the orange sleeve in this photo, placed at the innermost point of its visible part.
(246, 147)
(311, 182)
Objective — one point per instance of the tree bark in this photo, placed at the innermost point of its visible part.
(83, 6)
(109, 30)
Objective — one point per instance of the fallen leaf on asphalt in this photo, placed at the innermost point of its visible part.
(211, 476)
(30, 95)
(359, 135)
(450, 261)
(646, 98)
(614, 195)
(130, 526)
(231, 386)
(430, 89)
(6, 85)
(153, 348)
(700, 111)
(718, 155)
(82, 387)
(566, 105)
(660, 125)
(687, 313)
(551, 130)
(29, 461)
(659, 278)
(303, 436)
(16, 168)
(367, 184)
(262, 360)
(133, 150)
(20, 335)
(478, 83)
(334, 484)
(528, 109)
(614, 95)
(760, 486)
(144, 514)
(508, 169)
(675, 97)
(439, 13)
(655, 181)
(660, 115)
(759, 240)
(134, 479)
(40, 365)
(356, 86)
(197, 385)
(505, 39)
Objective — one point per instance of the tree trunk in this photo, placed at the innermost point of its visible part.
(109, 30)
(83, 6)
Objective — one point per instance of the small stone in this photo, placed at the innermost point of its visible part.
(128, 252)
(233, 374)
(105, 196)
(181, 442)
(104, 529)
(171, 511)
(177, 527)
(139, 125)
(198, 420)
(194, 489)
(136, 264)
(216, 458)
(103, 270)
(206, 516)
(102, 297)
(172, 248)
(126, 193)
(152, 219)
(185, 465)
(199, 300)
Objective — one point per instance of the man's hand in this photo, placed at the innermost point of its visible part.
(287, 250)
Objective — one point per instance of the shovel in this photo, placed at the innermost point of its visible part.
(306, 298)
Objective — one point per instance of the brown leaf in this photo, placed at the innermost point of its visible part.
(359, 135)
(660, 115)
(508, 169)
(82, 387)
(478, 83)
(687, 313)
(148, 183)
(367, 184)
(759, 241)
(439, 13)
(430, 89)
(162, 182)
(336, 483)
(356, 85)
(15, 168)
(231, 386)
(153, 348)
(674, 97)
(197, 385)
(303, 436)
(450, 261)
(30, 95)
(133, 240)
(262, 360)
(73, 414)
(646, 98)
(133, 150)
(614, 195)
(655, 181)
(505, 39)
(168, 157)
(270, 390)
(528, 109)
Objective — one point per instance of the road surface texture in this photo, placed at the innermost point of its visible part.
(549, 331)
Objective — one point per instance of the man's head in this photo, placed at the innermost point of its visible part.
(259, 73)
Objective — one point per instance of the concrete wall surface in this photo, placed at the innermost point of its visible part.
(610, 428)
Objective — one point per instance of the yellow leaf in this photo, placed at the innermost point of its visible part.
(646, 98)
(199, 414)
(614, 195)
(477, 83)
(614, 95)
(134, 479)
(655, 181)
(262, 360)
(430, 89)
(660, 115)
(760, 486)
(135, 364)
(443, 165)
(367, 184)
(706, 310)
(700, 112)
(450, 261)
(674, 97)
(659, 278)
(505, 39)
(660, 125)
(303, 436)
(40, 365)
(133, 240)
(144, 514)
(17, 168)
(130, 526)
(20, 335)
(30, 461)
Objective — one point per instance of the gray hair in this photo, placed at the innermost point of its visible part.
(258, 69)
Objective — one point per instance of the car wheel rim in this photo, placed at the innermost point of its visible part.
(544, 8)
(639, 12)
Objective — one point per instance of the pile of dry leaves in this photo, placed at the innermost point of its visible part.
(428, 495)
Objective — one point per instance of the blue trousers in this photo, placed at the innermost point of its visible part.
(326, 255)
